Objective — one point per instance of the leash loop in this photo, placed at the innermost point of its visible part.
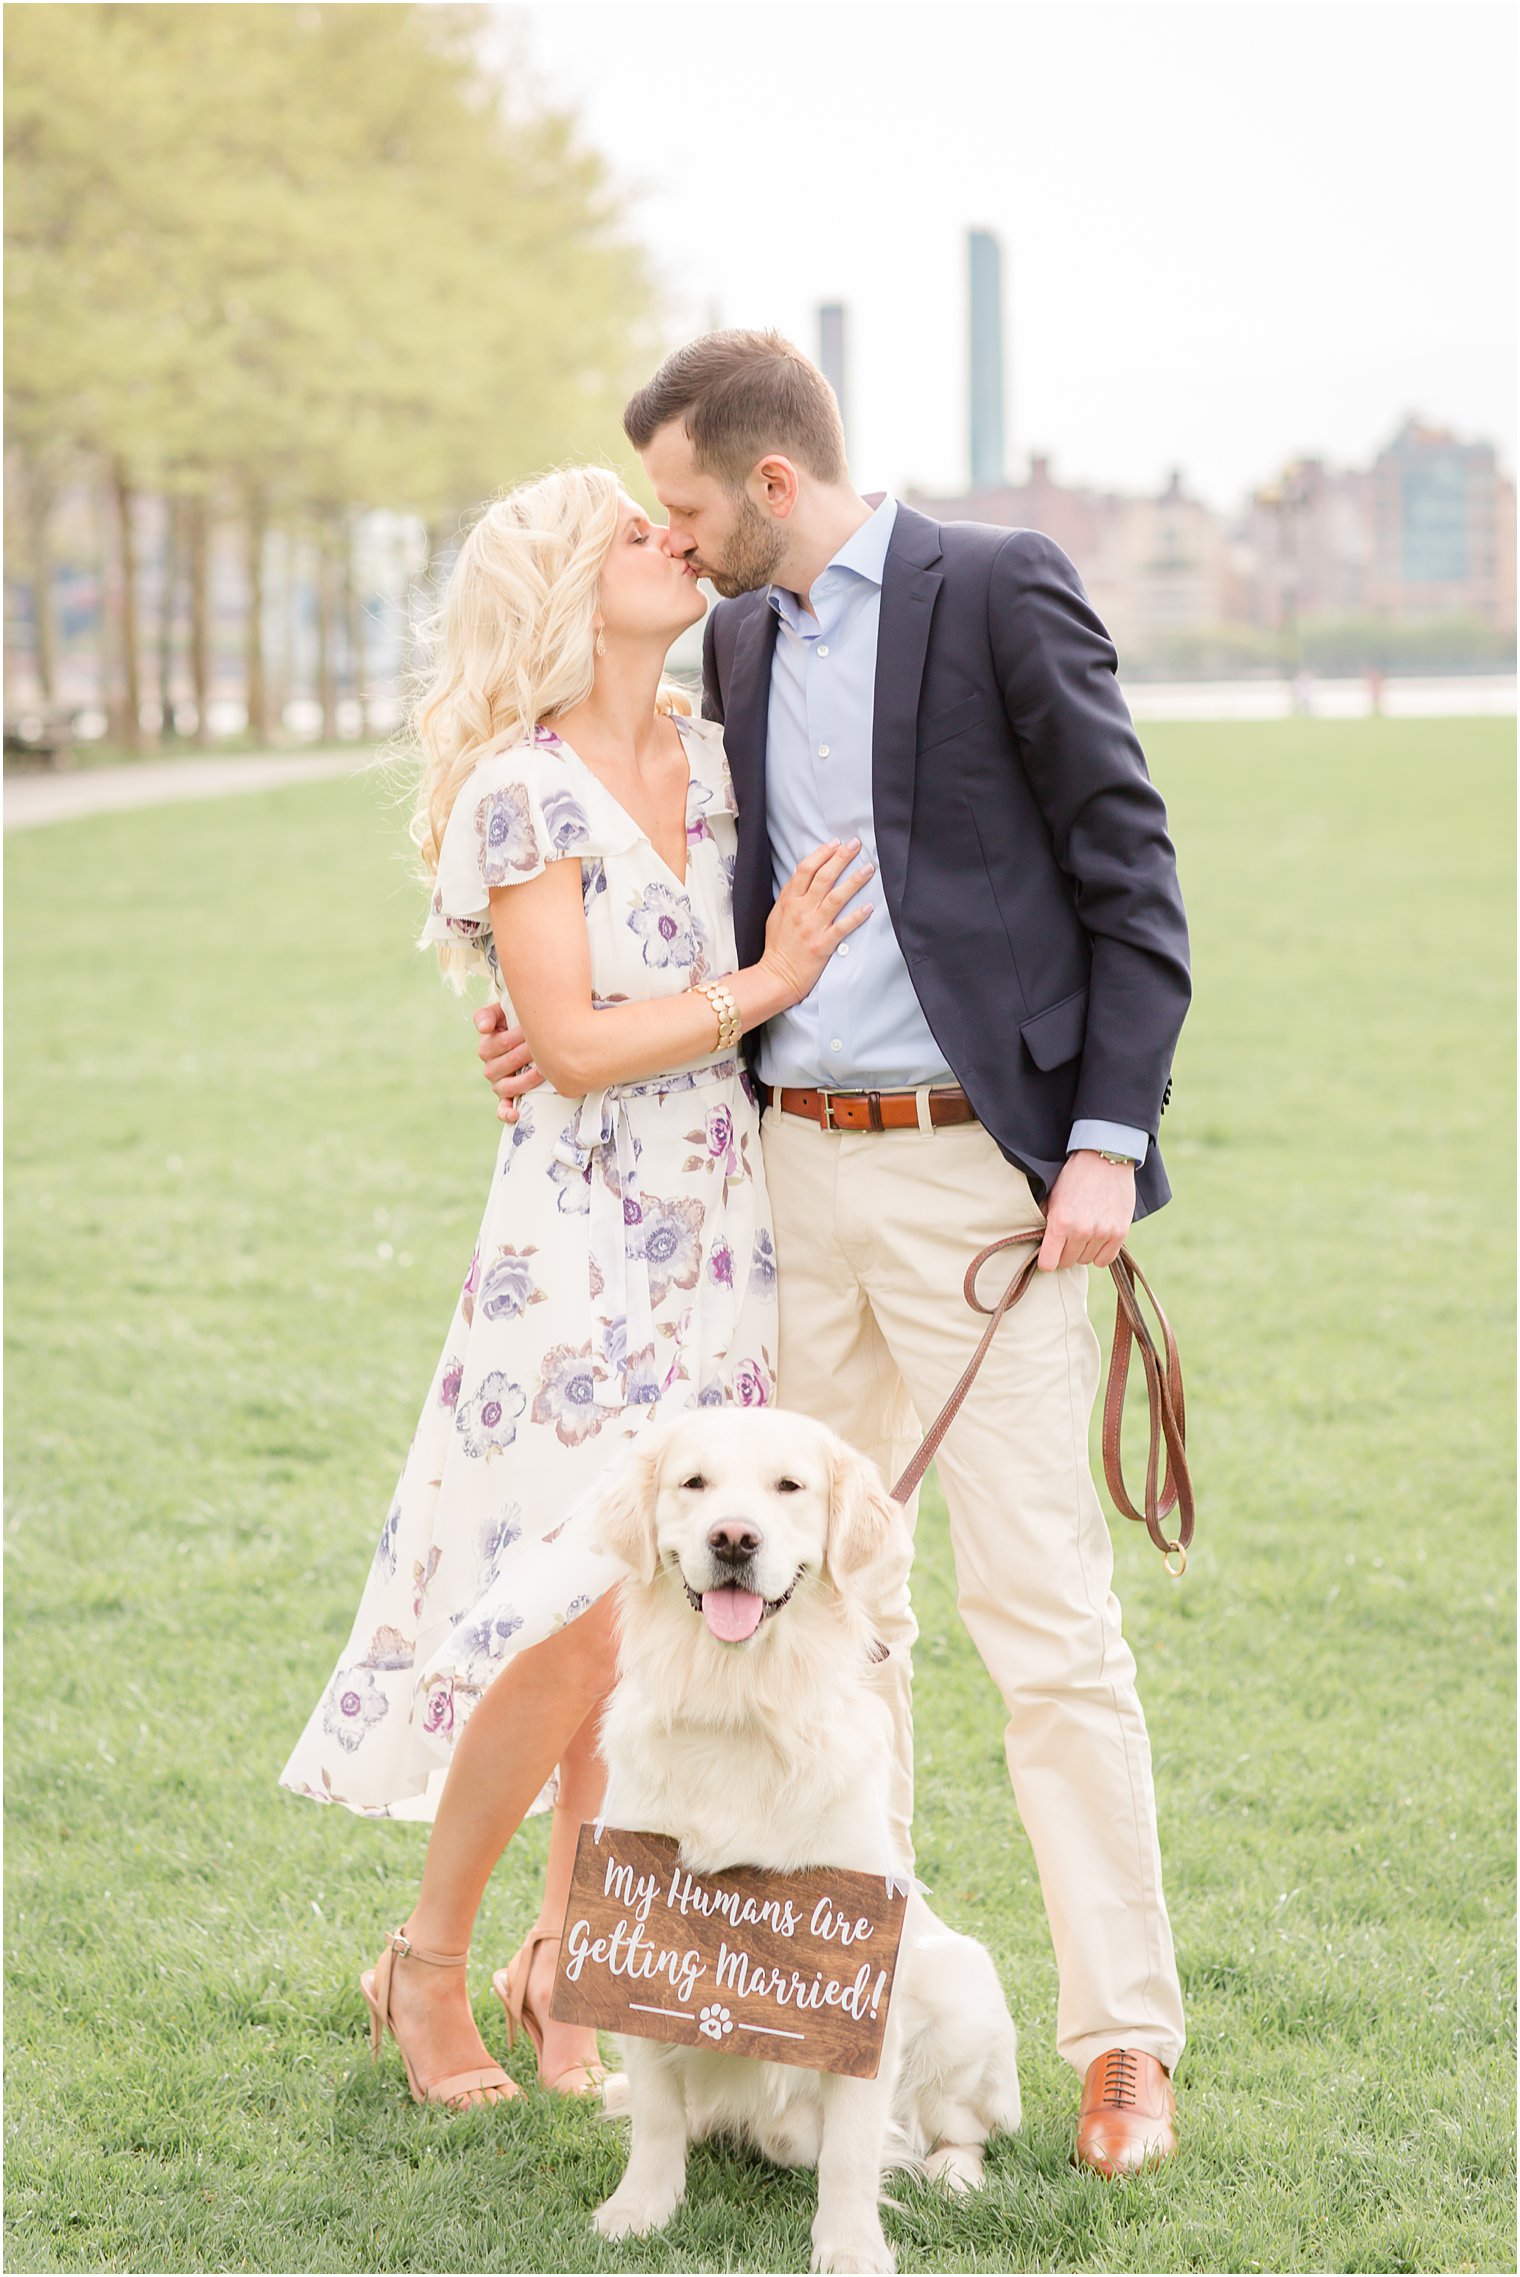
(1162, 1369)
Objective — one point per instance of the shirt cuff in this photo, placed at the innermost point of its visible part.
(1110, 1138)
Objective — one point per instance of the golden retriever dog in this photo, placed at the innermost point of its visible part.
(745, 1726)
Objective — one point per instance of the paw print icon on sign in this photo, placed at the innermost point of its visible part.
(715, 2022)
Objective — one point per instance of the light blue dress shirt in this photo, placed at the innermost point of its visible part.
(862, 1028)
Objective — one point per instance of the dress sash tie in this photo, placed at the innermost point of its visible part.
(600, 1142)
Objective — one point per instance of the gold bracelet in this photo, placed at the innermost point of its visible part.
(725, 1011)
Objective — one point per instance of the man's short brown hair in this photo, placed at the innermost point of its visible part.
(741, 394)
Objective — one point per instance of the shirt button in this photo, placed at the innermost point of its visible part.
(823, 751)
(823, 648)
(844, 948)
(837, 1045)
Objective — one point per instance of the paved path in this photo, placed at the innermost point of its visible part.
(34, 799)
(1462, 695)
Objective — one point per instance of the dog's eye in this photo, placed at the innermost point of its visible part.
(788, 1486)
(695, 1483)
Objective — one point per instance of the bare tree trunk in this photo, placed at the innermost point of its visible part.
(39, 506)
(168, 614)
(200, 672)
(127, 558)
(443, 544)
(258, 695)
(404, 653)
(284, 662)
(37, 489)
(353, 618)
(327, 680)
(108, 643)
(290, 618)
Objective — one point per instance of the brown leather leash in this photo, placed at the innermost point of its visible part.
(1163, 1389)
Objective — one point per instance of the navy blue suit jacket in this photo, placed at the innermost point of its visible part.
(1022, 845)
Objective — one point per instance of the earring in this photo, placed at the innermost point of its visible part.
(601, 644)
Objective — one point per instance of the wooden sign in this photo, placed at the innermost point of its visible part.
(794, 1968)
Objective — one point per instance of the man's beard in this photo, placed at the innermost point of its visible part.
(752, 554)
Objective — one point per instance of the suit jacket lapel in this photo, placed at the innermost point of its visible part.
(746, 710)
(909, 589)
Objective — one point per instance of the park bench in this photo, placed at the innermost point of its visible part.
(39, 735)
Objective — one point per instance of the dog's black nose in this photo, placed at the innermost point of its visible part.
(732, 1542)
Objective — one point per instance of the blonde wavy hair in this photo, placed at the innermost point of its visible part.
(511, 644)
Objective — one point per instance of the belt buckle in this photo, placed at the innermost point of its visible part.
(826, 1119)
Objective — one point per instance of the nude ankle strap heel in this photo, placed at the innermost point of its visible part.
(459, 2089)
(511, 1988)
(398, 1942)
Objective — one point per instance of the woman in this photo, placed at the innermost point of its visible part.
(580, 836)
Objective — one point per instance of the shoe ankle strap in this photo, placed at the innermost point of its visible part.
(403, 1948)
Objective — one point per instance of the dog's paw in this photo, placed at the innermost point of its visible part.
(615, 2095)
(858, 2253)
(634, 2213)
(956, 2166)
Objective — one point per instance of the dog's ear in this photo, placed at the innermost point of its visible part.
(624, 1522)
(865, 1524)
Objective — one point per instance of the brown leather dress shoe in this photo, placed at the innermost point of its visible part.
(1128, 2117)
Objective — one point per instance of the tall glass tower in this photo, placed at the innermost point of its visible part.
(831, 354)
(988, 470)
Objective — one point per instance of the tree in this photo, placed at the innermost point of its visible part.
(286, 262)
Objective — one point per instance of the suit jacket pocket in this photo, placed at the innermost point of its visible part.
(1058, 1033)
(942, 725)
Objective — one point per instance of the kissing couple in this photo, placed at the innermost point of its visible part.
(793, 1008)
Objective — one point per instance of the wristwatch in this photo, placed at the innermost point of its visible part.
(1103, 1155)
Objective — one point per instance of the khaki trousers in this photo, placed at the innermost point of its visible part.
(874, 1231)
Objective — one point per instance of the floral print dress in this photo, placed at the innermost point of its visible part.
(624, 1269)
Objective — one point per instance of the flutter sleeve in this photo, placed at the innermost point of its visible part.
(507, 824)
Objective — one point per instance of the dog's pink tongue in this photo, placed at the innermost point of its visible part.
(732, 1614)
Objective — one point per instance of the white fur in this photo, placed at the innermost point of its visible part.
(775, 1753)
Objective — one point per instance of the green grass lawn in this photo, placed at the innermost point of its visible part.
(248, 1150)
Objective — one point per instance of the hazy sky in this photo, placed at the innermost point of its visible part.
(1233, 232)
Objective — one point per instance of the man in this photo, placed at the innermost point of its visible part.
(991, 1047)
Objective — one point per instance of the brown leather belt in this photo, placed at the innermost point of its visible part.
(871, 1110)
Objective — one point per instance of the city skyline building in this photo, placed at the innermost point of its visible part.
(988, 385)
(1425, 537)
(831, 358)
(1443, 525)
